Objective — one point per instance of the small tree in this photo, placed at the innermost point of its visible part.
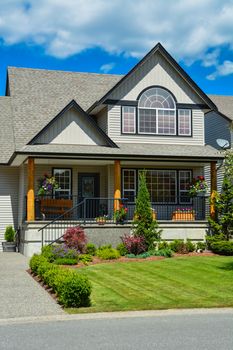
(223, 202)
(143, 224)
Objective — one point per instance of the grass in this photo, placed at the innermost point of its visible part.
(184, 282)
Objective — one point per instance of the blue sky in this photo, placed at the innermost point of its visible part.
(97, 36)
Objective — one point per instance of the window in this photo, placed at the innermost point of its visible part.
(129, 184)
(156, 112)
(129, 119)
(63, 178)
(185, 179)
(161, 185)
(184, 122)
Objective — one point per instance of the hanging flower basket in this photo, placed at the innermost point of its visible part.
(199, 187)
(47, 185)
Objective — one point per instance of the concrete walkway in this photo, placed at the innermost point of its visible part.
(20, 295)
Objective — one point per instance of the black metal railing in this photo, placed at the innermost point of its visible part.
(176, 208)
(98, 211)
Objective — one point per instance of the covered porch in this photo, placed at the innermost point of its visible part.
(90, 191)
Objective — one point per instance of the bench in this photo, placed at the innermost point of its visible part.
(52, 207)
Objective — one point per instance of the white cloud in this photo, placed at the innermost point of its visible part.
(105, 68)
(190, 30)
(222, 70)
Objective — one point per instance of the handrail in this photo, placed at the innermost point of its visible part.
(62, 215)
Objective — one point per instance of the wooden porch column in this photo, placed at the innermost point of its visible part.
(213, 177)
(30, 193)
(117, 183)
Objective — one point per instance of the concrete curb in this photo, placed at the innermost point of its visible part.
(115, 315)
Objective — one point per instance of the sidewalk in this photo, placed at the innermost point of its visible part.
(20, 295)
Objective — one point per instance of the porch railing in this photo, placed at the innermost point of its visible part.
(100, 211)
(89, 211)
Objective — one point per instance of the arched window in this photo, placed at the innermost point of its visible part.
(156, 112)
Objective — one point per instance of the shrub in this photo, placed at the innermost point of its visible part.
(85, 258)
(143, 224)
(50, 275)
(222, 247)
(35, 262)
(163, 245)
(134, 244)
(75, 238)
(107, 253)
(9, 235)
(74, 290)
(178, 246)
(190, 246)
(62, 251)
(65, 261)
(47, 252)
(200, 246)
(122, 249)
(91, 249)
(166, 252)
(213, 239)
(43, 267)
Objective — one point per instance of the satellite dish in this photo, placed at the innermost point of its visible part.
(223, 143)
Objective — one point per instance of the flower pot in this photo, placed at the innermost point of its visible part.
(9, 246)
(202, 194)
(185, 216)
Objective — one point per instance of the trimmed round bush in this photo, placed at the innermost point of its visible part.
(122, 249)
(222, 247)
(50, 276)
(47, 252)
(43, 268)
(65, 261)
(91, 249)
(74, 290)
(35, 262)
(107, 253)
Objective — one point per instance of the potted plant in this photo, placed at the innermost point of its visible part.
(199, 187)
(9, 236)
(120, 214)
(47, 185)
(101, 220)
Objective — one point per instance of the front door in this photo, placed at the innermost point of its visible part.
(89, 187)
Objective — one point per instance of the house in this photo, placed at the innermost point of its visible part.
(95, 133)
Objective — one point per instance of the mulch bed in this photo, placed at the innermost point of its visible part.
(97, 260)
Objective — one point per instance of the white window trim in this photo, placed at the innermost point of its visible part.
(123, 124)
(190, 122)
(156, 121)
(70, 176)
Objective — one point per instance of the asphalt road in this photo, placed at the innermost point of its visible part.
(169, 331)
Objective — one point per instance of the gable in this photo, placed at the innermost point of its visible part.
(72, 127)
(156, 71)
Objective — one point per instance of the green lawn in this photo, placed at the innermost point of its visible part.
(185, 282)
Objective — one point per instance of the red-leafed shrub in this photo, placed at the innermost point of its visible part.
(75, 238)
(134, 244)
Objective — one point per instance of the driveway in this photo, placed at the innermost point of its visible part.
(20, 295)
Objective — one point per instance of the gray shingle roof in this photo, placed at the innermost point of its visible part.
(39, 95)
(6, 130)
(224, 104)
(128, 149)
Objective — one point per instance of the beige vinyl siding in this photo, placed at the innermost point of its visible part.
(71, 128)
(114, 131)
(9, 182)
(156, 71)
